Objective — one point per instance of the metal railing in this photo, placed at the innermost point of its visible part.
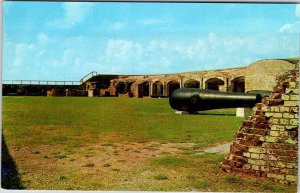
(50, 82)
(41, 82)
(88, 76)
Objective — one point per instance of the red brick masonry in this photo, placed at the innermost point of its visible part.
(266, 144)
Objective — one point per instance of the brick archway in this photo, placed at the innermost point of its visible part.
(143, 89)
(157, 89)
(191, 83)
(214, 83)
(121, 88)
(172, 86)
(238, 84)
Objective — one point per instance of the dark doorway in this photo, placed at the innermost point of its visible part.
(191, 84)
(157, 89)
(121, 88)
(143, 89)
(213, 83)
(172, 86)
(238, 84)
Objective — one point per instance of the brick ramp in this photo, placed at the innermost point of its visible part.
(266, 144)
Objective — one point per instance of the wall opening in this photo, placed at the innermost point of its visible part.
(172, 86)
(157, 89)
(143, 89)
(191, 84)
(238, 84)
(213, 83)
(103, 83)
(121, 88)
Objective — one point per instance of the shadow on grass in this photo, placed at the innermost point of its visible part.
(9, 175)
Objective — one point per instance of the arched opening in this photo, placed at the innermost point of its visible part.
(213, 83)
(143, 89)
(172, 86)
(238, 84)
(191, 84)
(103, 83)
(121, 88)
(157, 89)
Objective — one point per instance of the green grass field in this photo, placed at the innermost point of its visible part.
(120, 144)
(80, 120)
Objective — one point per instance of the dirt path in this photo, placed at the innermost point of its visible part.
(224, 148)
(106, 165)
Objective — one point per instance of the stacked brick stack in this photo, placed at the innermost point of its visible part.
(266, 144)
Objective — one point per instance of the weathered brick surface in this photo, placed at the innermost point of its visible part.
(266, 144)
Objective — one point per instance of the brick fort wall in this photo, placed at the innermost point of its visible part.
(266, 144)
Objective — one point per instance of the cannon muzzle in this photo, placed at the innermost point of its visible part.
(194, 99)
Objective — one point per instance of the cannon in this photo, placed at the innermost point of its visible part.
(194, 99)
(263, 93)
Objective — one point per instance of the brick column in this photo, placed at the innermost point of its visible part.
(165, 89)
(150, 88)
(180, 82)
(266, 144)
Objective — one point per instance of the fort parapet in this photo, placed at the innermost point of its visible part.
(260, 75)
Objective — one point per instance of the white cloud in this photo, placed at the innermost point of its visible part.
(74, 12)
(290, 28)
(212, 37)
(123, 56)
(21, 51)
(117, 26)
(212, 51)
(297, 10)
(21, 61)
(41, 52)
(61, 60)
(165, 62)
(123, 50)
(153, 21)
(73, 57)
(43, 39)
(7, 5)
(158, 44)
(285, 27)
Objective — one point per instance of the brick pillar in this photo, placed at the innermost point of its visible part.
(165, 92)
(150, 88)
(266, 144)
(180, 83)
(90, 87)
(91, 92)
(229, 85)
(203, 83)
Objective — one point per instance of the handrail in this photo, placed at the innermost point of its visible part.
(83, 79)
(41, 82)
(51, 82)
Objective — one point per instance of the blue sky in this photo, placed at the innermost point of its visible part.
(67, 40)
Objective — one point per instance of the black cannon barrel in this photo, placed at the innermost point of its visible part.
(194, 99)
(263, 93)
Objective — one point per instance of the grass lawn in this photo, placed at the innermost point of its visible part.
(120, 144)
